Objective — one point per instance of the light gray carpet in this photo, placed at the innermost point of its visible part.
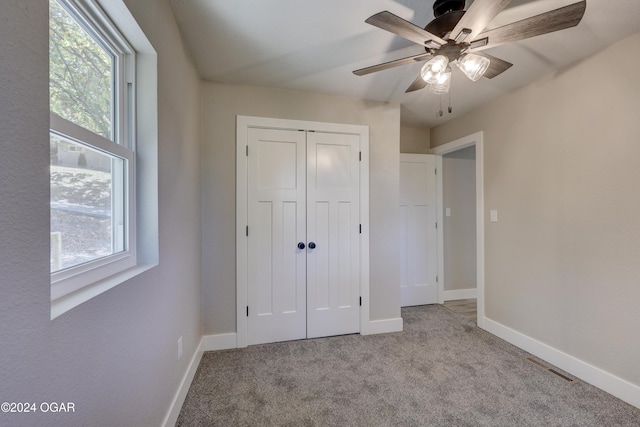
(441, 371)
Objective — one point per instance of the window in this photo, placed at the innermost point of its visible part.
(93, 150)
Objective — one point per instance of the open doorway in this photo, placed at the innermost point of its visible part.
(461, 238)
(459, 230)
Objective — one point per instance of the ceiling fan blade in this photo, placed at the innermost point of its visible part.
(555, 20)
(476, 18)
(496, 67)
(417, 84)
(391, 64)
(396, 25)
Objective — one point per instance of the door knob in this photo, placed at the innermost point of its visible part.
(312, 245)
(300, 245)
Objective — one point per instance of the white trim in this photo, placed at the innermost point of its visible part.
(92, 14)
(458, 294)
(606, 381)
(171, 417)
(219, 342)
(364, 220)
(458, 144)
(273, 123)
(383, 326)
(476, 139)
(66, 302)
(243, 123)
(480, 227)
(242, 219)
(440, 232)
(207, 343)
(70, 130)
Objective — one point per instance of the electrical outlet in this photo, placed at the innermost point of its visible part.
(179, 348)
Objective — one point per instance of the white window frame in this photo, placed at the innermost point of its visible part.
(74, 285)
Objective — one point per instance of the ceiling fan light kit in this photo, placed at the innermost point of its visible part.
(437, 72)
(433, 70)
(442, 84)
(459, 37)
(473, 66)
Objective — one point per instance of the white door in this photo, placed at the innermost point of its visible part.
(333, 211)
(418, 213)
(303, 189)
(276, 223)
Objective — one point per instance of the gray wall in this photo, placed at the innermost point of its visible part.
(561, 166)
(221, 104)
(414, 140)
(459, 195)
(114, 356)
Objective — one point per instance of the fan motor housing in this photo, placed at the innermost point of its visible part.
(441, 7)
(447, 14)
(443, 24)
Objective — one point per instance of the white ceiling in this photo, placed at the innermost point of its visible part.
(314, 46)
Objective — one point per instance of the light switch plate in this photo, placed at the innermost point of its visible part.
(447, 212)
(494, 215)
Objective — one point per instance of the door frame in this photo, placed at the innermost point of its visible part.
(477, 140)
(243, 123)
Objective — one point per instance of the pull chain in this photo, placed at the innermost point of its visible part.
(440, 112)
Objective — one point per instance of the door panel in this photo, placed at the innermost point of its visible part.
(345, 240)
(303, 187)
(290, 259)
(276, 219)
(418, 213)
(333, 269)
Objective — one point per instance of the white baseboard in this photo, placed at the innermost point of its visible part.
(219, 342)
(460, 294)
(616, 386)
(178, 399)
(207, 343)
(382, 326)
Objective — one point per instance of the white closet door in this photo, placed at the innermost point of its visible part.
(277, 223)
(333, 210)
(418, 214)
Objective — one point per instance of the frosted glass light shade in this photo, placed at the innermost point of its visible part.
(473, 66)
(434, 69)
(442, 84)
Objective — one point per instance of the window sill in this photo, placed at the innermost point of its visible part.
(65, 303)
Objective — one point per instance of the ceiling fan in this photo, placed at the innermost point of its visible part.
(457, 36)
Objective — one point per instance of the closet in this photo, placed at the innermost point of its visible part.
(302, 231)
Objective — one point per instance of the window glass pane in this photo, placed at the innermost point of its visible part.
(80, 74)
(87, 212)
